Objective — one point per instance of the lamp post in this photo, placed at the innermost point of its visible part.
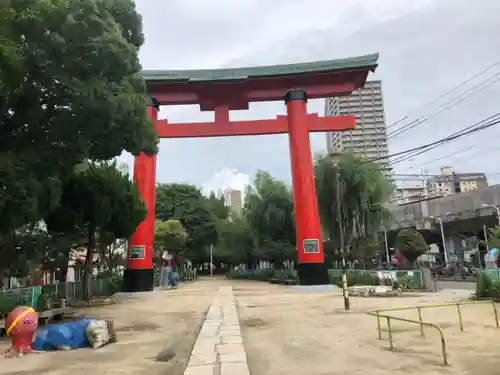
(440, 221)
(485, 232)
(496, 209)
(386, 246)
(345, 291)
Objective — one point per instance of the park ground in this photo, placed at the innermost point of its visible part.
(285, 330)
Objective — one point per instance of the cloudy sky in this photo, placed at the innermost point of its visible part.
(427, 47)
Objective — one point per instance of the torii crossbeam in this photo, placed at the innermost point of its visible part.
(223, 90)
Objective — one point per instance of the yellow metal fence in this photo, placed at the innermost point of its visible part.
(384, 314)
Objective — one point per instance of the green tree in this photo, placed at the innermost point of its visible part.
(235, 243)
(170, 236)
(411, 244)
(268, 212)
(217, 206)
(96, 199)
(186, 204)
(494, 238)
(363, 192)
(70, 90)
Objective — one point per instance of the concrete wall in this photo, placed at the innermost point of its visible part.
(459, 206)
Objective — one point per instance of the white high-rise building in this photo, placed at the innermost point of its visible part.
(369, 138)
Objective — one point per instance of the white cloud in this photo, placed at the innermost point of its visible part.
(226, 178)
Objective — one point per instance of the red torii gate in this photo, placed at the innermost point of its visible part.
(222, 90)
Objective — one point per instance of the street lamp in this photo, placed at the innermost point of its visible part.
(387, 257)
(496, 209)
(440, 221)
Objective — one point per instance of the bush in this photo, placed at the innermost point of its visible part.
(265, 274)
(487, 285)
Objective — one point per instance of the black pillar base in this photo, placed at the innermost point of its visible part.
(141, 280)
(313, 274)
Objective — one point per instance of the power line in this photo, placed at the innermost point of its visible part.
(447, 105)
(481, 125)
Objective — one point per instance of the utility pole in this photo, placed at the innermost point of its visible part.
(211, 261)
(345, 292)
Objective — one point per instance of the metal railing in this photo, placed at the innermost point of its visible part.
(422, 323)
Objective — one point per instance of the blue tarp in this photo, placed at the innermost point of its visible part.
(69, 335)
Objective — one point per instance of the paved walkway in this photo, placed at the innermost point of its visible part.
(219, 350)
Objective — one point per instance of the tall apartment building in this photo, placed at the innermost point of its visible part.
(449, 182)
(233, 199)
(369, 138)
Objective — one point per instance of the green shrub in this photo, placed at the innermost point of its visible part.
(487, 285)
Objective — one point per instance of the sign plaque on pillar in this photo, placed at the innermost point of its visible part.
(137, 252)
(311, 246)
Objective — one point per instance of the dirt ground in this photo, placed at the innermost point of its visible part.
(155, 333)
(286, 331)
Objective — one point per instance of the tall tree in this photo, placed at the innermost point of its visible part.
(170, 236)
(69, 90)
(411, 244)
(363, 191)
(235, 243)
(268, 211)
(186, 204)
(97, 198)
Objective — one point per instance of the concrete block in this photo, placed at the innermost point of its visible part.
(234, 369)
(233, 358)
(231, 339)
(203, 359)
(229, 348)
(200, 370)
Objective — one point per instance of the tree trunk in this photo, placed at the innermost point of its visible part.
(89, 265)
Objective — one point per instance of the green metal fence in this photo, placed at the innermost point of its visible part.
(74, 291)
(22, 296)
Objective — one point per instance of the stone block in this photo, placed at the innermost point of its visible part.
(203, 359)
(231, 339)
(229, 348)
(200, 370)
(233, 358)
(234, 369)
(205, 346)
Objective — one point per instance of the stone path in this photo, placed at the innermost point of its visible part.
(219, 350)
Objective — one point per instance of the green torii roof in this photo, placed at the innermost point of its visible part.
(240, 74)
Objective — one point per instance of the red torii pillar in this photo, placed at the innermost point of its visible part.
(298, 124)
(139, 275)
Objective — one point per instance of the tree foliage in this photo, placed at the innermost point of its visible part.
(170, 236)
(268, 212)
(98, 203)
(235, 243)
(69, 90)
(363, 191)
(411, 244)
(186, 204)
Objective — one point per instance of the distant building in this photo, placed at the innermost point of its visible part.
(449, 182)
(409, 194)
(369, 138)
(234, 199)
